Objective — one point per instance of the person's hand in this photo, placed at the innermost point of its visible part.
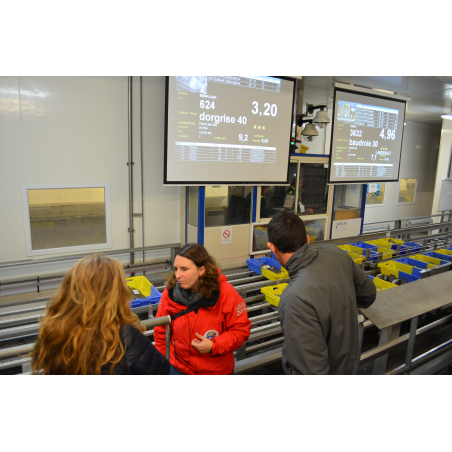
(202, 344)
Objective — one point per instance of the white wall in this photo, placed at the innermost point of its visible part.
(75, 129)
(444, 159)
(419, 158)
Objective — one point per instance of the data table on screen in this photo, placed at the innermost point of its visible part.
(262, 83)
(374, 117)
(230, 153)
(362, 170)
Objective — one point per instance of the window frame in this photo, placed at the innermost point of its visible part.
(69, 249)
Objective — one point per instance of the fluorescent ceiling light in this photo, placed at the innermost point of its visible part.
(446, 116)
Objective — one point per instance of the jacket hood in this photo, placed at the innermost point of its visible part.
(301, 259)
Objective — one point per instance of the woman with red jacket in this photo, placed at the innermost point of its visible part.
(209, 318)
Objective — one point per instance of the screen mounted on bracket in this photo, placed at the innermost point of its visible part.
(366, 140)
(228, 130)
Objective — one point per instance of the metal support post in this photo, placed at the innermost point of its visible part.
(386, 335)
(410, 348)
(360, 342)
(168, 342)
(241, 352)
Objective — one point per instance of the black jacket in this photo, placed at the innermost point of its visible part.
(141, 357)
(318, 311)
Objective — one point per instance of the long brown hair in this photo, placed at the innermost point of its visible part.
(208, 284)
(81, 330)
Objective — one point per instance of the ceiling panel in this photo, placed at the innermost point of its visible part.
(430, 96)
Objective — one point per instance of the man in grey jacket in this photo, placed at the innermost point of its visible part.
(318, 309)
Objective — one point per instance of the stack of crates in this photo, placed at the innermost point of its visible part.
(443, 254)
(374, 250)
(150, 295)
(400, 270)
(392, 244)
(425, 257)
(353, 248)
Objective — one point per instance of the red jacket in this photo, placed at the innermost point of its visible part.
(229, 317)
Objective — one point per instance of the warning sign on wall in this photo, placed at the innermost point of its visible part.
(226, 236)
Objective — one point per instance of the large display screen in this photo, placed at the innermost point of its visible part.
(228, 130)
(366, 141)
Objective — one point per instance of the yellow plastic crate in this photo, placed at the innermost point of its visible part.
(275, 276)
(389, 241)
(393, 268)
(380, 284)
(357, 258)
(352, 249)
(273, 293)
(141, 284)
(426, 259)
(383, 247)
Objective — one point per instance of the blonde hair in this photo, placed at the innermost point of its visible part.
(81, 330)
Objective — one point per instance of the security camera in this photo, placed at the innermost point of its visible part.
(309, 132)
(321, 119)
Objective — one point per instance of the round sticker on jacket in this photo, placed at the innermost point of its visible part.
(211, 334)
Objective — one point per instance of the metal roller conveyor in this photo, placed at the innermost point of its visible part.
(18, 320)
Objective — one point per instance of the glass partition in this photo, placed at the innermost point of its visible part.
(315, 229)
(276, 198)
(260, 238)
(347, 202)
(375, 194)
(312, 189)
(407, 191)
(228, 205)
(309, 180)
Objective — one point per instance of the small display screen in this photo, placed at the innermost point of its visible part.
(367, 136)
(225, 130)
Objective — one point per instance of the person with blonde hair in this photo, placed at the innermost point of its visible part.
(89, 328)
(209, 318)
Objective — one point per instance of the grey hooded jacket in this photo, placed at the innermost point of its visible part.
(318, 311)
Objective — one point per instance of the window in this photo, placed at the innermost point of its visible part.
(228, 205)
(375, 194)
(347, 202)
(310, 180)
(315, 229)
(407, 191)
(60, 218)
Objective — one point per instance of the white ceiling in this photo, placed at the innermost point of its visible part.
(430, 96)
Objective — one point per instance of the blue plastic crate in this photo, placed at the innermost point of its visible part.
(414, 248)
(412, 262)
(444, 257)
(367, 246)
(154, 298)
(255, 264)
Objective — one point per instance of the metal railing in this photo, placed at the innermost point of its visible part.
(21, 350)
(54, 279)
(409, 220)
